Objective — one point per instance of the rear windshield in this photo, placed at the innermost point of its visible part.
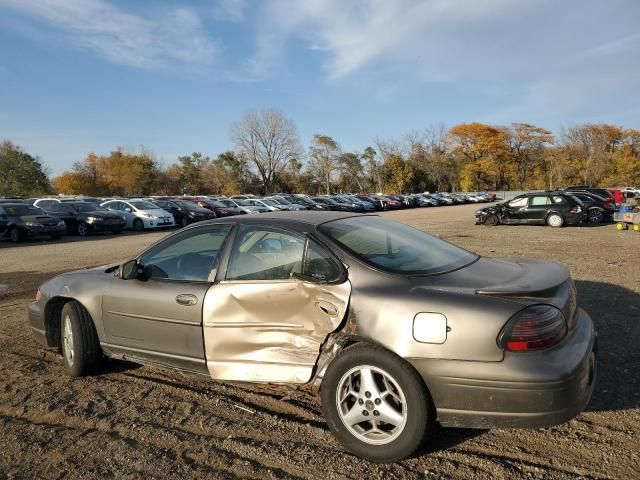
(395, 247)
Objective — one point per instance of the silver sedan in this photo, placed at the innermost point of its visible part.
(398, 329)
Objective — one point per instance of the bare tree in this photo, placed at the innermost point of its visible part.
(269, 140)
(324, 153)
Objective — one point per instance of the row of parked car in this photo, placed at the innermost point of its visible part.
(58, 216)
(558, 208)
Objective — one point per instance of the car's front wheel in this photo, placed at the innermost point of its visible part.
(491, 220)
(80, 346)
(138, 225)
(83, 229)
(376, 404)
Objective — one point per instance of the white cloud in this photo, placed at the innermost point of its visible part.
(166, 36)
(569, 56)
(229, 10)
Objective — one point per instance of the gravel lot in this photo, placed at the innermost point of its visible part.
(139, 422)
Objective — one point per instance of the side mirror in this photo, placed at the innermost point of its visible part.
(129, 270)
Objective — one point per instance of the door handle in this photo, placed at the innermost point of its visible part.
(186, 299)
(328, 308)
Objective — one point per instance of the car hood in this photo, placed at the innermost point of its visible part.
(39, 218)
(516, 279)
(100, 214)
(158, 212)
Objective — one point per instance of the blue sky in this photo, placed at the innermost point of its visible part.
(89, 75)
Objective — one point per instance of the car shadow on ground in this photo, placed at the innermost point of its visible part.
(615, 311)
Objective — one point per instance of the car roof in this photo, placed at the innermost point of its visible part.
(309, 217)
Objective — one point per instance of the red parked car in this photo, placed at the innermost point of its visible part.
(617, 194)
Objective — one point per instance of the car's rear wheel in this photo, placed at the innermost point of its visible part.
(83, 229)
(491, 220)
(80, 347)
(138, 225)
(15, 235)
(596, 216)
(555, 220)
(376, 404)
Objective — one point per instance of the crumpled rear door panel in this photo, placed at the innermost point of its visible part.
(270, 331)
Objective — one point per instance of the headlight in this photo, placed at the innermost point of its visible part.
(94, 219)
(61, 223)
(36, 224)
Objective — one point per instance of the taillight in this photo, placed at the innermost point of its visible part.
(576, 209)
(534, 328)
(38, 296)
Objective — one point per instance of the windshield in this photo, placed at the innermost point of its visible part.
(187, 204)
(396, 247)
(142, 205)
(22, 210)
(87, 207)
(271, 203)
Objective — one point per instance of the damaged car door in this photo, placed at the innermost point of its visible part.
(282, 295)
(157, 316)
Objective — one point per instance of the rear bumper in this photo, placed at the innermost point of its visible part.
(535, 390)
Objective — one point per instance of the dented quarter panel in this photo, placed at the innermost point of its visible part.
(270, 331)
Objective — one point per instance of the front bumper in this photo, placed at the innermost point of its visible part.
(537, 389)
(156, 223)
(44, 231)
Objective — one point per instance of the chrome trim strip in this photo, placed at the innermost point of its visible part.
(155, 319)
(152, 352)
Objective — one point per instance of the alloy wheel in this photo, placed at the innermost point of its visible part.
(595, 216)
(67, 340)
(371, 405)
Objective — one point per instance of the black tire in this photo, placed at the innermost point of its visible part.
(184, 221)
(555, 220)
(420, 413)
(596, 216)
(83, 229)
(15, 235)
(138, 225)
(81, 352)
(491, 220)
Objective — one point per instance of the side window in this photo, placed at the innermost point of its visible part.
(518, 202)
(190, 256)
(540, 200)
(113, 206)
(261, 253)
(318, 264)
(557, 199)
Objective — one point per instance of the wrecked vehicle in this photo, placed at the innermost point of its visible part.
(555, 209)
(397, 328)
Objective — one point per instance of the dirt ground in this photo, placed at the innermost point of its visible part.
(140, 422)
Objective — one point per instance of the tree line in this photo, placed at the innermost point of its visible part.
(268, 157)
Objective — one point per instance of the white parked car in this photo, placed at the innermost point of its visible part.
(270, 205)
(140, 214)
(243, 205)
